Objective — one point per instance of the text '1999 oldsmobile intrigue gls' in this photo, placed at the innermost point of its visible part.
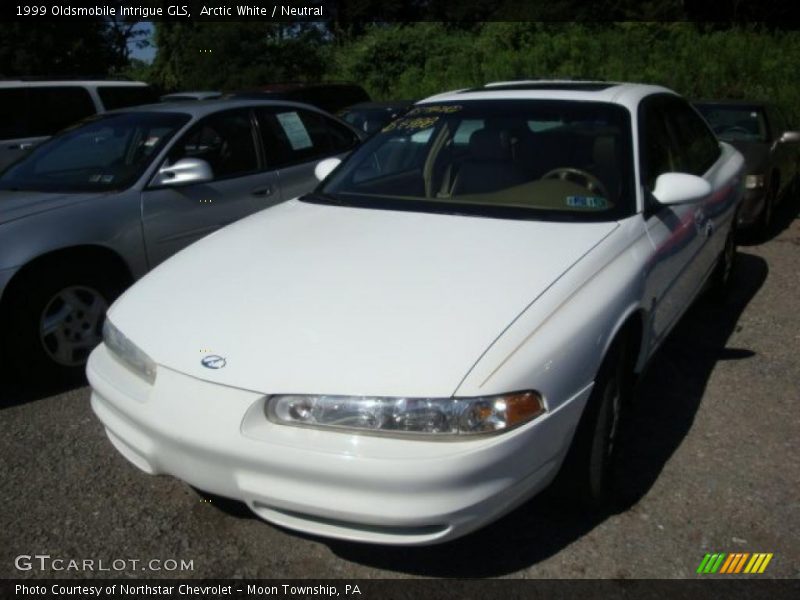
(451, 319)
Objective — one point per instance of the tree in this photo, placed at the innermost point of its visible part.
(82, 48)
(238, 55)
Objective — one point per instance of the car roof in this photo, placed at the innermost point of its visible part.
(201, 108)
(14, 83)
(193, 93)
(626, 94)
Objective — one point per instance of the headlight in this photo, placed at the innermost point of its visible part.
(128, 353)
(752, 182)
(407, 416)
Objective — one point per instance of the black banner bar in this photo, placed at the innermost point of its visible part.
(775, 12)
(404, 589)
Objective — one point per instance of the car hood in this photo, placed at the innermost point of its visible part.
(18, 204)
(756, 156)
(308, 298)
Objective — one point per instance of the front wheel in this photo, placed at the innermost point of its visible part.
(723, 272)
(54, 319)
(588, 473)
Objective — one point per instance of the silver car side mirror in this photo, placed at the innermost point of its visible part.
(185, 171)
(324, 167)
(790, 136)
(680, 188)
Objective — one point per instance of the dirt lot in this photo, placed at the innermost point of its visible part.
(712, 465)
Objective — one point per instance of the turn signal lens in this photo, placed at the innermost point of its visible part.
(128, 353)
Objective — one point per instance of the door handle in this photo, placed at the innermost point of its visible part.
(261, 192)
(709, 228)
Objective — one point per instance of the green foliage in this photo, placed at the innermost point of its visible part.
(135, 70)
(416, 60)
(230, 56)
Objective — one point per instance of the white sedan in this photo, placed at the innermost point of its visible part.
(455, 316)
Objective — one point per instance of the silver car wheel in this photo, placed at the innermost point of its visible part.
(71, 324)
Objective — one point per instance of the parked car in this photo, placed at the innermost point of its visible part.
(32, 111)
(771, 152)
(329, 96)
(95, 207)
(369, 117)
(454, 316)
(185, 96)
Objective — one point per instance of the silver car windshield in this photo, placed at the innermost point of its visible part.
(104, 153)
(516, 158)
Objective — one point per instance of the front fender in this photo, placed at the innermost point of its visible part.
(558, 344)
(111, 221)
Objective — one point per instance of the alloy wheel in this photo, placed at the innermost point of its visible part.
(71, 324)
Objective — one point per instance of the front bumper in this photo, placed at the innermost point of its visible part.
(353, 487)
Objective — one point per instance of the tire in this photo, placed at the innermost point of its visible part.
(54, 318)
(726, 264)
(587, 479)
(766, 218)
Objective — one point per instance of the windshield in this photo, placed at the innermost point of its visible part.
(505, 158)
(103, 153)
(735, 123)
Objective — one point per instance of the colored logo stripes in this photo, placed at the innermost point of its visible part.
(736, 562)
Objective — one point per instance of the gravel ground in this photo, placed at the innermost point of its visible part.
(712, 465)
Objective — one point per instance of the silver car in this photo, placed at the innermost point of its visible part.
(95, 207)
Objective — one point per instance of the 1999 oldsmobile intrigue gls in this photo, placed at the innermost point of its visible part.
(451, 319)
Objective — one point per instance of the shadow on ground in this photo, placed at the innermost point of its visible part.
(15, 390)
(669, 397)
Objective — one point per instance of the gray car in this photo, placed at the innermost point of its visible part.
(95, 207)
(772, 154)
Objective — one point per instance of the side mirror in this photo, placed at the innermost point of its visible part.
(324, 167)
(680, 188)
(185, 171)
(790, 136)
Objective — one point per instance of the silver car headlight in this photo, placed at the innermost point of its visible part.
(430, 417)
(128, 353)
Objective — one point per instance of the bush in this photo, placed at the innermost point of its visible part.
(420, 59)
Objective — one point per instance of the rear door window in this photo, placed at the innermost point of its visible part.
(292, 136)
